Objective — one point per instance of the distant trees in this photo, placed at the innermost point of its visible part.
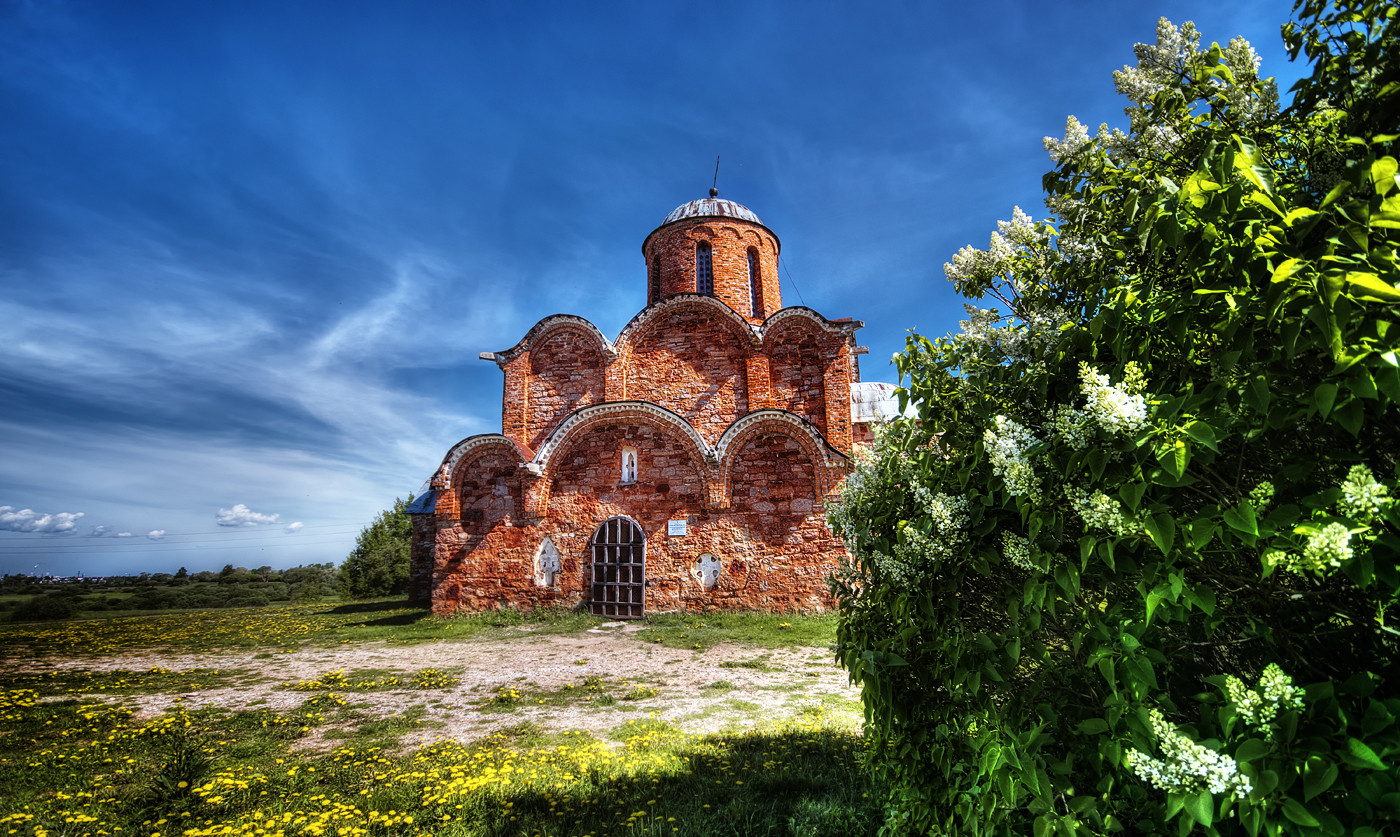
(378, 566)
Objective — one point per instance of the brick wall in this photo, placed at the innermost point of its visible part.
(566, 372)
(690, 362)
(672, 248)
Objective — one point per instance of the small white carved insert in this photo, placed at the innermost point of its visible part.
(629, 465)
(707, 569)
(547, 564)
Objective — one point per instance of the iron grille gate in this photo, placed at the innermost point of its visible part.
(619, 569)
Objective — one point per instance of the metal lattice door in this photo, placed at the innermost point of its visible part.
(619, 569)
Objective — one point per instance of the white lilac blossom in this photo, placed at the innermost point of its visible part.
(1007, 445)
(1071, 426)
(1113, 408)
(973, 271)
(1327, 549)
(1262, 496)
(1362, 497)
(1185, 766)
(996, 338)
(1102, 512)
(1017, 551)
(1258, 707)
(947, 535)
(1075, 142)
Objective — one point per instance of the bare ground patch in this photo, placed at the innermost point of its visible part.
(724, 688)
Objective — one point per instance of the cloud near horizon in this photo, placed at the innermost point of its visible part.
(28, 520)
(104, 532)
(156, 534)
(241, 515)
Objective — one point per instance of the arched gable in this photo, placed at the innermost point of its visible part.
(645, 319)
(469, 447)
(690, 355)
(566, 372)
(830, 464)
(483, 476)
(552, 323)
(618, 412)
(841, 326)
(689, 445)
(798, 352)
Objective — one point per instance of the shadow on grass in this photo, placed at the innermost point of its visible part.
(398, 620)
(805, 784)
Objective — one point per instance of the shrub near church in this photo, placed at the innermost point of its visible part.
(1135, 566)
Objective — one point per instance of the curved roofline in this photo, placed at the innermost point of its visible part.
(736, 430)
(755, 222)
(654, 310)
(844, 325)
(550, 322)
(458, 452)
(562, 431)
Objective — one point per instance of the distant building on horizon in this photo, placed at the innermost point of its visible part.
(682, 466)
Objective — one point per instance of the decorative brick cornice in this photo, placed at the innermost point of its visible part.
(647, 315)
(475, 443)
(616, 412)
(789, 423)
(571, 322)
(830, 326)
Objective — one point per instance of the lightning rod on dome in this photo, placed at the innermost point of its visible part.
(714, 187)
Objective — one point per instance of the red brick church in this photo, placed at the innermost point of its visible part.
(681, 466)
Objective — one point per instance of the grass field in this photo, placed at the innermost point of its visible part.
(76, 758)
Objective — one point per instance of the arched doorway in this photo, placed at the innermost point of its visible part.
(619, 569)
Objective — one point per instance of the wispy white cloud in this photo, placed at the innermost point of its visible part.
(156, 534)
(294, 527)
(28, 520)
(241, 515)
(104, 532)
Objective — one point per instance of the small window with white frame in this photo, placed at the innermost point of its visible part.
(629, 465)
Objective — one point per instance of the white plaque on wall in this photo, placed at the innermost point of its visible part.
(676, 528)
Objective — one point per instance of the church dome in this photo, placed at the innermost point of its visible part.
(711, 207)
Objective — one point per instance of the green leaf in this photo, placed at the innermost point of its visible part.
(1173, 458)
(1202, 433)
(1201, 807)
(1371, 287)
(1382, 173)
(1294, 810)
(1324, 397)
(1161, 528)
(1092, 726)
(1362, 753)
(1251, 749)
(1242, 518)
(1256, 394)
(1132, 492)
(1318, 776)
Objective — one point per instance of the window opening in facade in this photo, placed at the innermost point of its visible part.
(704, 273)
(618, 569)
(755, 300)
(655, 278)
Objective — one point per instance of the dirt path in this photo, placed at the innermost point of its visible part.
(724, 688)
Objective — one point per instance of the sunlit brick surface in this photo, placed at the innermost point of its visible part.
(738, 428)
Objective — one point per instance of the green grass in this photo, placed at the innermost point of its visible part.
(283, 627)
(751, 628)
(75, 758)
(74, 767)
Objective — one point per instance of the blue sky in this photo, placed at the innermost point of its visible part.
(249, 252)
